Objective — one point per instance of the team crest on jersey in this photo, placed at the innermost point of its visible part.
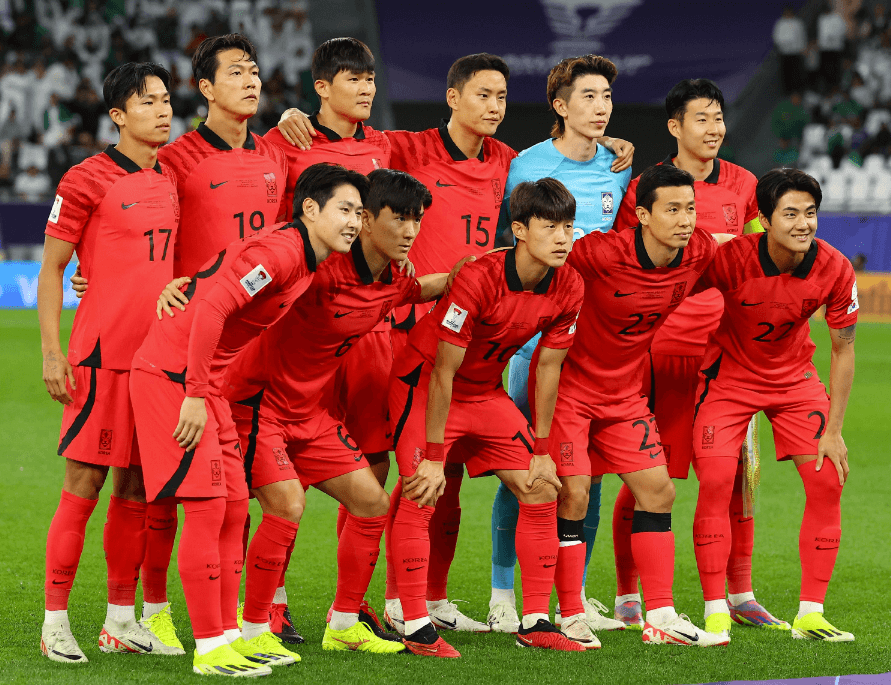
(855, 303)
(216, 471)
(454, 318)
(708, 437)
(566, 453)
(496, 188)
(281, 457)
(385, 310)
(677, 294)
(730, 217)
(808, 307)
(105, 438)
(255, 280)
(606, 203)
(271, 184)
(543, 322)
(175, 203)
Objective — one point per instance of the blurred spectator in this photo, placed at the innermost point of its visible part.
(831, 32)
(790, 40)
(14, 128)
(858, 261)
(861, 93)
(14, 90)
(874, 25)
(87, 106)
(63, 75)
(879, 144)
(848, 110)
(789, 118)
(57, 122)
(32, 185)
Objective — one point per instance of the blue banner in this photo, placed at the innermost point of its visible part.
(18, 285)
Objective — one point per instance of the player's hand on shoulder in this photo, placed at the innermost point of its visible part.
(173, 296)
(56, 370)
(832, 447)
(543, 468)
(192, 420)
(722, 238)
(406, 267)
(297, 129)
(426, 484)
(78, 283)
(623, 150)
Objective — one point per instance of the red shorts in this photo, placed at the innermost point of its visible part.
(213, 469)
(671, 387)
(98, 426)
(314, 450)
(798, 417)
(489, 434)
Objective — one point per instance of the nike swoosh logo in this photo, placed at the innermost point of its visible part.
(486, 323)
(750, 304)
(132, 204)
(448, 624)
(340, 315)
(418, 568)
(143, 647)
(744, 520)
(217, 185)
(213, 577)
(67, 656)
(653, 455)
(692, 638)
(440, 184)
(703, 544)
(283, 305)
(257, 566)
(618, 294)
(627, 518)
(358, 457)
(818, 547)
(451, 532)
(60, 582)
(550, 565)
(153, 528)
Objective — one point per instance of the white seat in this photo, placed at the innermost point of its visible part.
(813, 140)
(873, 165)
(860, 191)
(835, 191)
(819, 167)
(881, 193)
(875, 119)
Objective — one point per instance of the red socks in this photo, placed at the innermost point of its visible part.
(444, 535)
(124, 544)
(265, 561)
(199, 564)
(623, 516)
(537, 549)
(160, 535)
(64, 544)
(246, 535)
(411, 556)
(570, 565)
(742, 529)
(341, 518)
(357, 553)
(392, 590)
(652, 544)
(820, 533)
(711, 523)
(281, 580)
(231, 561)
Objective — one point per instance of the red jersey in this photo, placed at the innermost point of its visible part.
(725, 203)
(233, 298)
(123, 221)
(488, 313)
(225, 194)
(366, 151)
(627, 299)
(298, 357)
(764, 341)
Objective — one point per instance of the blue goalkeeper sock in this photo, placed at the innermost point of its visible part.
(505, 511)
(592, 522)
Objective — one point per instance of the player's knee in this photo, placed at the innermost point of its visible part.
(84, 480)
(659, 497)
(382, 505)
(572, 499)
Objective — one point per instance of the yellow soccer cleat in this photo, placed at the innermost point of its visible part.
(359, 638)
(227, 662)
(161, 626)
(719, 624)
(814, 627)
(267, 649)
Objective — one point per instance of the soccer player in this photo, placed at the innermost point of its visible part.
(177, 382)
(579, 94)
(633, 280)
(760, 359)
(119, 211)
(725, 205)
(446, 391)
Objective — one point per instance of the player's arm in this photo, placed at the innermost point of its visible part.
(432, 286)
(547, 378)
(841, 378)
(623, 150)
(56, 255)
(296, 128)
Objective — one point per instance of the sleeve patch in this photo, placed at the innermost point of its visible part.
(56, 210)
(574, 324)
(255, 280)
(454, 318)
(855, 304)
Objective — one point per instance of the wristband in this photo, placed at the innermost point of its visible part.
(435, 451)
(540, 446)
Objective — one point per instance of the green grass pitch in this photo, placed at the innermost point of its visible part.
(30, 429)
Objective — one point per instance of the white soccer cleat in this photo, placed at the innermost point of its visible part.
(576, 629)
(447, 617)
(58, 644)
(594, 616)
(133, 638)
(503, 618)
(393, 620)
(682, 632)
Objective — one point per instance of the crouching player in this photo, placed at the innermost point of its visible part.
(760, 359)
(446, 391)
(181, 364)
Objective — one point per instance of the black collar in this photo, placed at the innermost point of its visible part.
(125, 162)
(453, 150)
(514, 284)
(331, 134)
(220, 144)
(362, 268)
(308, 252)
(644, 258)
(770, 269)
(711, 178)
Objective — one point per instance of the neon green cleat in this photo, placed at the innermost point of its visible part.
(814, 627)
(718, 624)
(359, 638)
(161, 626)
(267, 649)
(226, 661)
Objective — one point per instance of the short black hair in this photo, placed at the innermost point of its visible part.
(401, 192)
(341, 54)
(205, 61)
(127, 79)
(660, 176)
(777, 182)
(691, 89)
(545, 198)
(464, 69)
(320, 181)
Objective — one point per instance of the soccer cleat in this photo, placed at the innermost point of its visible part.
(239, 615)
(393, 620)
(129, 639)
(594, 616)
(447, 617)
(368, 616)
(426, 642)
(161, 626)
(282, 626)
(718, 624)
(503, 618)
(576, 629)
(682, 632)
(58, 644)
(753, 614)
(545, 635)
(631, 614)
(226, 661)
(266, 649)
(359, 638)
(814, 627)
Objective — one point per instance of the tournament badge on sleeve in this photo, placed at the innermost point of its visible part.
(751, 454)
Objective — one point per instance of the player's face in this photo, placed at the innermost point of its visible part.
(702, 130)
(793, 224)
(349, 95)
(341, 218)
(589, 107)
(147, 117)
(392, 233)
(673, 217)
(236, 86)
(479, 106)
(547, 241)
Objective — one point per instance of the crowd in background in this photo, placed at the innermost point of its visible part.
(54, 55)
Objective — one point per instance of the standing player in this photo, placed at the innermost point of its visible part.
(725, 204)
(119, 211)
(580, 96)
(633, 280)
(177, 381)
(760, 359)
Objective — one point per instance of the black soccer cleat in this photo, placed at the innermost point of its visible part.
(282, 626)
